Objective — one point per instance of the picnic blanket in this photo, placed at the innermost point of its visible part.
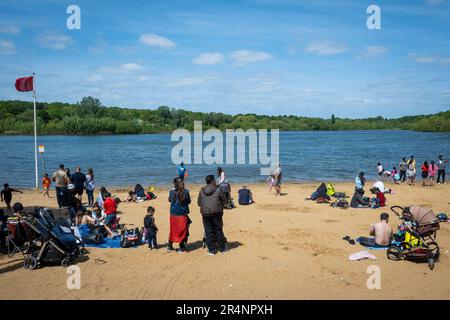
(108, 244)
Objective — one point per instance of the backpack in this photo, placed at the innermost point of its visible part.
(330, 189)
(130, 238)
(341, 203)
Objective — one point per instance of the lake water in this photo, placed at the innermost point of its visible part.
(124, 160)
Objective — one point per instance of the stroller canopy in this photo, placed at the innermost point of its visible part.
(422, 215)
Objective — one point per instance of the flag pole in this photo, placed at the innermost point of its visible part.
(35, 134)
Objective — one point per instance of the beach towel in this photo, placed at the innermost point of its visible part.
(108, 244)
(362, 255)
(393, 243)
(178, 228)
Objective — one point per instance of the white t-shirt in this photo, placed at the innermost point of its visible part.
(380, 169)
(379, 185)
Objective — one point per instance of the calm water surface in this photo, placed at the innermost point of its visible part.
(120, 160)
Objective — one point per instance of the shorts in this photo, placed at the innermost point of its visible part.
(110, 219)
(78, 192)
(424, 174)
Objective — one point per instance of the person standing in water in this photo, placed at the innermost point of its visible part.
(402, 166)
(181, 171)
(441, 169)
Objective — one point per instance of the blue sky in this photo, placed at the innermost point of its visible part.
(310, 58)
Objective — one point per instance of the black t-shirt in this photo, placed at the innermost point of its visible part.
(78, 180)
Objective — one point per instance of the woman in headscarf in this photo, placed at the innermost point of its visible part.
(179, 199)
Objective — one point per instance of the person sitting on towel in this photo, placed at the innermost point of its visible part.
(381, 232)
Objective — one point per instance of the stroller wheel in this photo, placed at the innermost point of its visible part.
(431, 261)
(66, 262)
(30, 263)
(394, 253)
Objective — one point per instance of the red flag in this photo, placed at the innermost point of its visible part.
(24, 84)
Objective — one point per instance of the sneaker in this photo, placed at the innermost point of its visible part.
(181, 250)
(223, 251)
(153, 248)
(210, 253)
(170, 249)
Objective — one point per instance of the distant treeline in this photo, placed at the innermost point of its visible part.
(90, 117)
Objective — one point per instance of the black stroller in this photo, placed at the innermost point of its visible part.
(56, 244)
(417, 236)
(226, 188)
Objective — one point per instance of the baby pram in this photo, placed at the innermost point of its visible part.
(226, 188)
(56, 244)
(417, 235)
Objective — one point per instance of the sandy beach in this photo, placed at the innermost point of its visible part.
(280, 248)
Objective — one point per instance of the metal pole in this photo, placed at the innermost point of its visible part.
(43, 163)
(35, 134)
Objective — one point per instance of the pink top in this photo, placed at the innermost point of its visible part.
(432, 170)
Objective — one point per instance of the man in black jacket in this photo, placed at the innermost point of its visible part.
(211, 201)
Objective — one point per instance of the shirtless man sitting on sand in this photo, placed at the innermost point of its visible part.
(381, 231)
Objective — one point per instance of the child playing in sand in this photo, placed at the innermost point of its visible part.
(6, 195)
(152, 229)
(46, 182)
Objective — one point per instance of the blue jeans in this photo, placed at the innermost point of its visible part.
(369, 242)
(151, 238)
(90, 195)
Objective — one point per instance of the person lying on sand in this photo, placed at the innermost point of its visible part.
(381, 232)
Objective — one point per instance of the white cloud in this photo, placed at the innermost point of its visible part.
(372, 51)
(326, 48)
(208, 58)
(154, 40)
(422, 58)
(54, 41)
(242, 57)
(131, 67)
(121, 69)
(434, 2)
(11, 30)
(7, 47)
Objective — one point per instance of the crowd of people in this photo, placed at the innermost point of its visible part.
(213, 198)
(432, 172)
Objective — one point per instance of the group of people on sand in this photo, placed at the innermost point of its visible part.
(432, 172)
(378, 189)
(67, 184)
(212, 200)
